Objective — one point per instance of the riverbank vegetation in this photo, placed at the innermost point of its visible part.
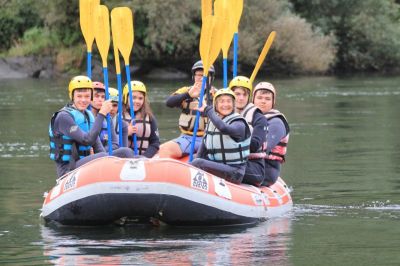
(313, 36)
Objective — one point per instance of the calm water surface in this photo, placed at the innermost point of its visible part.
(343, 163)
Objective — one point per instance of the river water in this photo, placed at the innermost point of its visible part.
(343, 163)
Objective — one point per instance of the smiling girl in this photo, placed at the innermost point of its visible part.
(145, 124)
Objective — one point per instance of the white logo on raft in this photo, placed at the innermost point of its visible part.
(71, 181)
(133, 170)
(199, 180)
(257, 198)
(221, 188)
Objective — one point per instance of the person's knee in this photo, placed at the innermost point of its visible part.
(124, 152)
(170, 149)
(197, 162)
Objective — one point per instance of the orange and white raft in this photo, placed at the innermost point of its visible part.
(109, 189)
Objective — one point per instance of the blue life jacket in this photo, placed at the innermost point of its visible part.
(61, 146)
(224, 149)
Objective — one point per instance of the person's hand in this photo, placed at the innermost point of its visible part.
(132, 129)
(201, 109)
(106, 107)
(91, 152)
(194, 91)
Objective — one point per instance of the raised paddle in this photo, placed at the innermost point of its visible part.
(206, 9)
(124, 20)
(86, 15)
(210, 47)
(262, 55)
(116, 29)
(222, 9)
(102, 37)
(238, 8)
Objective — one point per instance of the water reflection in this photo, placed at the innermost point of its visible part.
(268, 242)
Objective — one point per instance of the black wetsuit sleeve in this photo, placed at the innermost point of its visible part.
(202, 151)
(175, 100)
(258, 137)
(276, 131)
(236, 130)
(114, 136)
(154, 140)
(98, 146)
(65, 124)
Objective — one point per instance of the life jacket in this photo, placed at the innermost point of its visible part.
(248, 114)
(279, 151)
(104, 133)
(61, 146)
(142, 135)
(188, 115)
(222, 148)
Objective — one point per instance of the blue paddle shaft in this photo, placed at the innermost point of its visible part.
(196, 121)
(225, 64)
(119, 126)
(128, 80)
(89, 65)
(109, 140)
(235, 53)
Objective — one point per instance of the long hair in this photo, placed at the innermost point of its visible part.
(144, 110)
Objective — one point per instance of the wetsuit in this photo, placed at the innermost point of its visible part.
(64, 124)
(239, 131)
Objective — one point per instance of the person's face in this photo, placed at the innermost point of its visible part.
(114, 109)
(98, 99)
(138, 100)
(82, 99)
(198, 76)
(264, 100)
(224, 105)
(242, 97)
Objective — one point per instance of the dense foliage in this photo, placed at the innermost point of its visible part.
(313, 36)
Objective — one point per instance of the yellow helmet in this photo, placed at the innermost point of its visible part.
(224, 91)
(136, 86)
(241, 81)
(79, 82)
(113, 94)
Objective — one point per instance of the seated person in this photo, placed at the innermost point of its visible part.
(264, 97)
(114, 117)
(145, 124)
(73, 130)
(99, 96)
(226, 143)
(187, 99)
(242, 88)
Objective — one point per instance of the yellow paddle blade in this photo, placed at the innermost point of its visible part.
(102, 32)
(263, 54)
(216, 39)
(238, 8)
(205, 41)
(226, 14)
(122, 21)
(86, 14)
(116, 35)
(206, 9)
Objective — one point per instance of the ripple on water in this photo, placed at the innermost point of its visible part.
(22, 150)
(372, 210)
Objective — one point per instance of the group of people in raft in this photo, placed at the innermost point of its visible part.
(241, 137)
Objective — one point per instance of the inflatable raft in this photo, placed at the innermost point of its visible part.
(109, 189)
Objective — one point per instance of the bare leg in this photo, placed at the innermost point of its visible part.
(170, 149)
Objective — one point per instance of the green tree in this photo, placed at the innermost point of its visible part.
(16, 16)
(367, 31)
